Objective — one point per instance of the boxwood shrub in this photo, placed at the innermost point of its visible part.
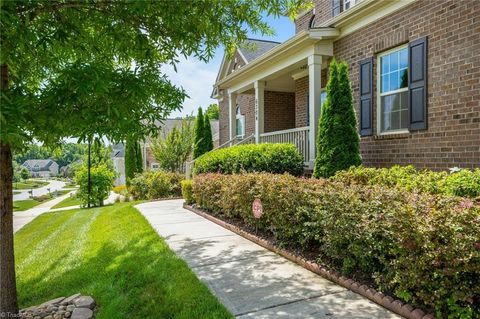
(423, 248)
(465, 183)
(271, 158)
(155, 185)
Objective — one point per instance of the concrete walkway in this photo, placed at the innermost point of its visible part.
(251, 281)
(22, 218)
(53, 185)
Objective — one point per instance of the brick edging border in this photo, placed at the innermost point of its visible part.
(387, 302)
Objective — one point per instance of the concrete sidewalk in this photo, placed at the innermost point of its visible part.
(22, 218)
(251, 281)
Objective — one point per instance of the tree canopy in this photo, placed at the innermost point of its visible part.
(212, 111)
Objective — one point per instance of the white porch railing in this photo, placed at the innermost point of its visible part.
(296, 136)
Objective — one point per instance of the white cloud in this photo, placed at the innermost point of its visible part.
(197, 78)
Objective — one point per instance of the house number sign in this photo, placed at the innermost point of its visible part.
(257, 208)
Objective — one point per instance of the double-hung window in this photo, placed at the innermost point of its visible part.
(392, 89)
(240, 121)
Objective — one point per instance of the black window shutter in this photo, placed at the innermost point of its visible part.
(366, 96)
(417, 84)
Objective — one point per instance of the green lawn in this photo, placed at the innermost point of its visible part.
(69, 201)
(25, 204)
(16, 192)
(113, 254)
(29, 184)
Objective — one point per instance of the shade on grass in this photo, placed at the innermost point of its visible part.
(29, 184)
(25, 204)
(69, 201)
(113, 254)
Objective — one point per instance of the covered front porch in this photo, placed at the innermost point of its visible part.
(277, 98)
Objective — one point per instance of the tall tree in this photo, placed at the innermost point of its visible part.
(198, 143)
(213, 111)
(338, 144)
(207, 135)
(130, 159)
(93, 68)
(138, 158)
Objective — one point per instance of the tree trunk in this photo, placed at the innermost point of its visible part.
(8, 290)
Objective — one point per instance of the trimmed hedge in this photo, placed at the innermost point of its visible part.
(155, 185)
(271, 158)
(465, 183)
(425, 249)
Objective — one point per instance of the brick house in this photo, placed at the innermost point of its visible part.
(414, 69)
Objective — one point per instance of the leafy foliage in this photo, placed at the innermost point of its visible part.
(273, 158)
(465, 183)
(101, 184)
(207, 134)
(338, 144)
(155, 185)
(199, 131)
(424, 249)
(171, 151)
(133, 158)
(187, 191)
(213, 111)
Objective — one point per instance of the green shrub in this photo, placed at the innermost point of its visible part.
(338, 144)
(155, 185)
(463, 183)
(101, 184)
(272, 158)
(187, 191)
(424, 248)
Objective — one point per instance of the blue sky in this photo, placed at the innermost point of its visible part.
(197, 77)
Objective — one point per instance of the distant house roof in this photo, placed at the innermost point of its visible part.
(38, 165)
(169, 124)
(253, 48)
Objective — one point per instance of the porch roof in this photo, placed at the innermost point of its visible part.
(283, 55)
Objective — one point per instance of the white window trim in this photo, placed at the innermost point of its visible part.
(155, 166)
(379, 92)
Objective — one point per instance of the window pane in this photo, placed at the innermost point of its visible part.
(404, 58)
(394, 85)
(394, 112)
(394, 61)
(403, 78)
(385, 84)
(384, 62)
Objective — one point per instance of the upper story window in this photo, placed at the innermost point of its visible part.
(392, 86)
(338, 6)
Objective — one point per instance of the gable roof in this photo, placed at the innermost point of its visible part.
(253, 48)
(39, 164)
(250, 50)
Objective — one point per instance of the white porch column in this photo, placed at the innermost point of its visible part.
(315, 86)
(232, 103)
(259, 109)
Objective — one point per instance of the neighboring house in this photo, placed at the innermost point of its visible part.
(166, 127)
(118, 158)
(414, 69)
(41, 168)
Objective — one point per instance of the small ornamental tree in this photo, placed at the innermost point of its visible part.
(337, 142)
(207, 134)
(101, 182)
(213, 111)
(198, 146)
(24, 173)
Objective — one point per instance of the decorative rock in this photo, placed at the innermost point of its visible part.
(82, 313)
(84, 302)
(53, 301)
(67, 314)
(69, 300)
(70, 308)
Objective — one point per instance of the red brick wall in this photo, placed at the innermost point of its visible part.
(453, 134)
(279, 111)
(323, 12)
(301, 91)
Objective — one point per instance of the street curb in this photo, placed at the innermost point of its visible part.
(387, 302)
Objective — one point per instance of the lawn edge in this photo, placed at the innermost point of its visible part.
(392, 304)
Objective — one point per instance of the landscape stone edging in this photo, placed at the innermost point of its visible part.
(73, 307)
(387, 302)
